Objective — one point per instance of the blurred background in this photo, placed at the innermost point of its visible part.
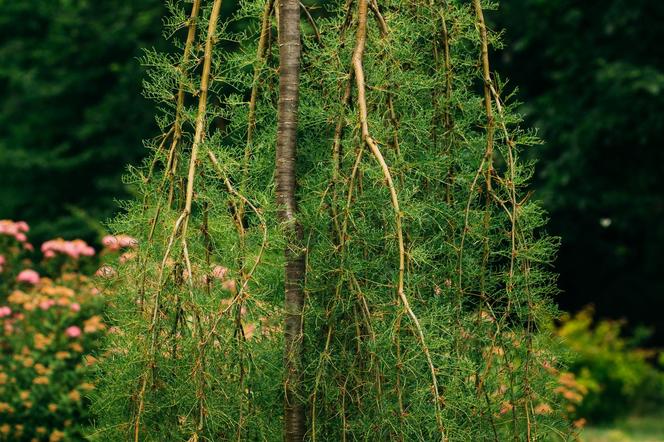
(590, 74)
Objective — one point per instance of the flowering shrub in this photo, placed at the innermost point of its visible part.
(51, 328)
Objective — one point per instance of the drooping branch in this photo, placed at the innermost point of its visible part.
(358, 70)
(181, 224)
(486, 75)
(177, 125)
(261, 52)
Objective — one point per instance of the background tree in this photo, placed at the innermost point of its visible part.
(72, 110)
(594, 86)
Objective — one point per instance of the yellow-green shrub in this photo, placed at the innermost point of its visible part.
(616, 375)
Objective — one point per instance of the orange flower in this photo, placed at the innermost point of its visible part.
(41, 341)
(40, 380)
(3, 378)
(61, 355)
(24, 395)
(18, 297)
(87, 386)
(74, 395)
(543, 409)
(52, 408)
(579, 423)
(56, 436)
(94, 324)
(41, 369)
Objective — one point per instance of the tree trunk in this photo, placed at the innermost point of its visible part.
(289, 70)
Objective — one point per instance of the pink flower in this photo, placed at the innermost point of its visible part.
(118, 242)
(106, 272)
(2, 260)
(15, 229)
(75, 307)
(22, 226)
(249, 330)
(110, 242)
(230, 286)
(29, 247)
(73, 249)
(219, 272)
(5, 311)
(127, 241)
(46, 304)
(73, 331)
(28, 276)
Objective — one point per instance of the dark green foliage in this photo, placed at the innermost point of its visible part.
(71, 111)
(593, 80)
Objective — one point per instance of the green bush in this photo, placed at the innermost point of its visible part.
(619, 376)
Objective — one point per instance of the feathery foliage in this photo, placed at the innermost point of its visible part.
(427, 283)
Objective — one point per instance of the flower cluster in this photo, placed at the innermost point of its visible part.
(28, 276)
(117, 242)
(16, 230)
(50, 324)
(49, 331)
(73, 249)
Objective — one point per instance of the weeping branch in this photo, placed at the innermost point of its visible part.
(358, 71)
(181, 224)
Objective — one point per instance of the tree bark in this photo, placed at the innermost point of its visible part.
(289, 71)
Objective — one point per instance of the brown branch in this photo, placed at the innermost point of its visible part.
(261, 52)
(311, 21)
(182, 222)
(486, 72)
(358, 69)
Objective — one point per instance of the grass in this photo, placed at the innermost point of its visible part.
(632, 429)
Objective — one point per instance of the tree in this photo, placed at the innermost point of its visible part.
(417, 290)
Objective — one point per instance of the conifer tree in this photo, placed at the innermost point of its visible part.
(415, 272)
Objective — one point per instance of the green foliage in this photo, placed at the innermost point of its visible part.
(619, 376)
(593, 84)
(71, 110)
(463, 349)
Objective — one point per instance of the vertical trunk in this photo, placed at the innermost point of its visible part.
(289, 66)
